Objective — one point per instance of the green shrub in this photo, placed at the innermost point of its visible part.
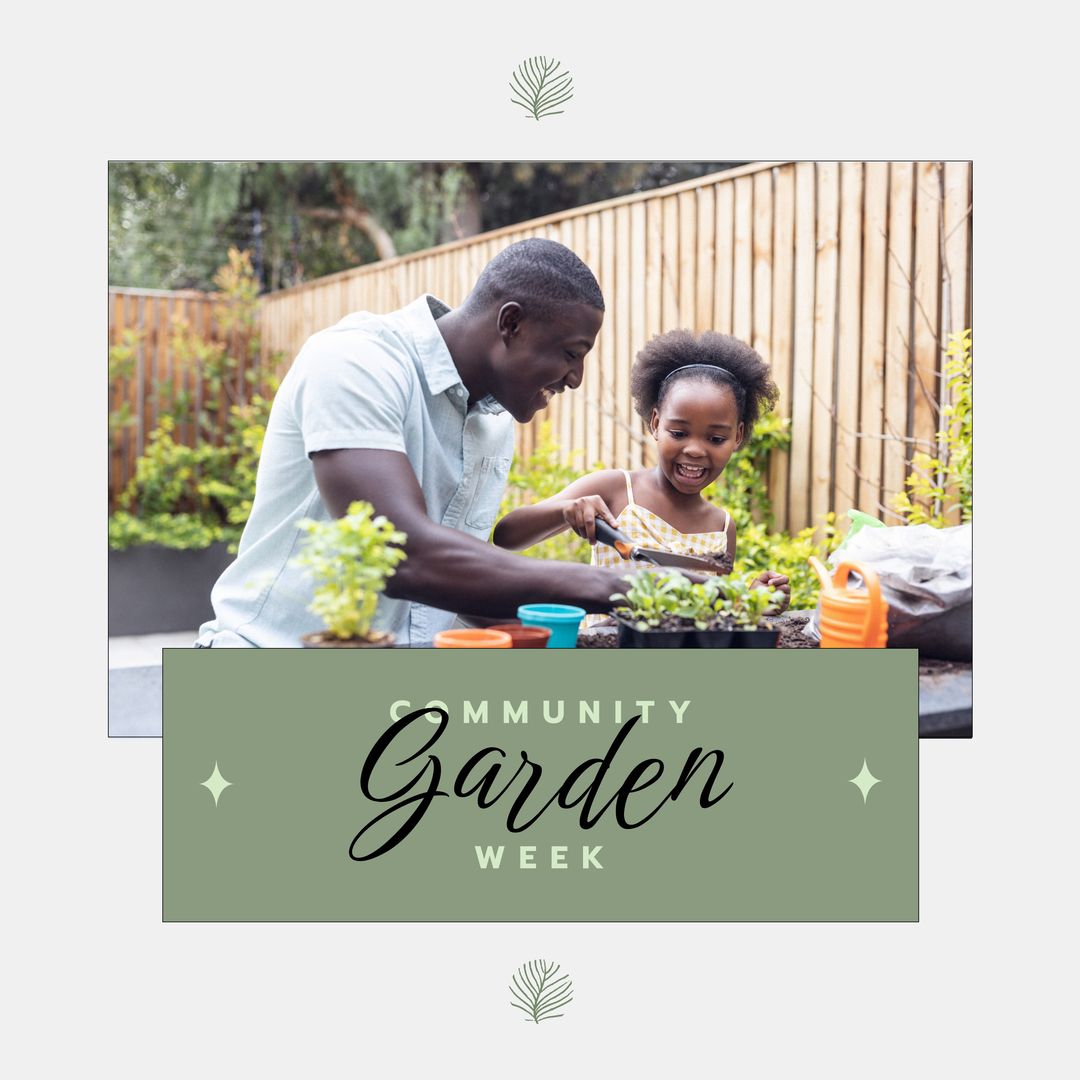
(938, 486)
(193, 496)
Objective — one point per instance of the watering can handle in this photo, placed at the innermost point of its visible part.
(873, 589)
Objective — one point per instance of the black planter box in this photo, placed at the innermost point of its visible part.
(632, 638)
(755, 639)
(158, 590)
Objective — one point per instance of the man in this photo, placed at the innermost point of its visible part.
(414, 412)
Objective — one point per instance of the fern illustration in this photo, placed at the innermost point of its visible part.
(538, 992)
(538, 87)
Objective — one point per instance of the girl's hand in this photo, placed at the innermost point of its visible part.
(769, 580)
(581, 514)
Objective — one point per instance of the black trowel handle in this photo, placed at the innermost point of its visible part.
(608, 534)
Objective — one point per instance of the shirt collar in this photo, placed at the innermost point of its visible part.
(437, 364)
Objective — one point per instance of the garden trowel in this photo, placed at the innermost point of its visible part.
(628, 550)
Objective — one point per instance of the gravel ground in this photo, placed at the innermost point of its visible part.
(789, 624)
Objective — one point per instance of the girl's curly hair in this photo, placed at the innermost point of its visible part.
(734, 364)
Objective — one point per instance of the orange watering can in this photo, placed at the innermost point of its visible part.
(851, 619)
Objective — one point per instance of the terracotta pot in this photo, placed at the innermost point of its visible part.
(379, 639)
(472, 639)
(525, 637)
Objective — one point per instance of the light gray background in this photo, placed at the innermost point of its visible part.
(96, 983)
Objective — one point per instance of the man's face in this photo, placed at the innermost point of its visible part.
(542, 357)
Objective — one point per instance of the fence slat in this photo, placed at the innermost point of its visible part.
(670, 318)
(742, 258)
(824, 407)
(601, 258)
(602, 414)
(640, 330)
(926, 381)
(763, 263)
(955, 273)
(618, 336)
(688, 226)
(725, 257)
(898, 322)
(872, 367)
(802, 381)
(846, 481)
(781, 354)
(706, 258)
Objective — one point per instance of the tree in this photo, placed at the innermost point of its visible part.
(171, 223)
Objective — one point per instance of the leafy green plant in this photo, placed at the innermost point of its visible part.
(350, 559)
(666, 599)
(747, 606)
(538, 993)
(653, 598)
(538, 87)
(743, 487)
(938, 486)
(193, 496)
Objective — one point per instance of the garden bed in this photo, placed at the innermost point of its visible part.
(789, 624)
(158, 590)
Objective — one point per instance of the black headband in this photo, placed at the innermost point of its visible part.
(695, 367)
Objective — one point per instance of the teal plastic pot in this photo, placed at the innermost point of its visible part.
(562, 620)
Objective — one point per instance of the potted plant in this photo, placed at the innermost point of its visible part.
(350, 559)
(667, 610)
(748, 607)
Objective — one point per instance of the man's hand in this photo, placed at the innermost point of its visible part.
(767, 579)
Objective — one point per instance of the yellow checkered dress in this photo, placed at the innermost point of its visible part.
(645, 529)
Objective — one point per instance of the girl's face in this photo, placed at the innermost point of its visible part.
(697, 429)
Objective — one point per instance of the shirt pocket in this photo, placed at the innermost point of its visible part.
(490, 485)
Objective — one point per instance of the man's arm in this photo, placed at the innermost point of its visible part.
(447, 568)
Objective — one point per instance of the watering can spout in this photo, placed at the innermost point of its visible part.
(823, 574)
(851, 618)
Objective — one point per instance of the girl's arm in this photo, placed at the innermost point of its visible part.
(575, 507)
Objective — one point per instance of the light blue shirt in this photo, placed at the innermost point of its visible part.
(374, 382)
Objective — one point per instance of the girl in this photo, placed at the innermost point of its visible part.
(699, 397)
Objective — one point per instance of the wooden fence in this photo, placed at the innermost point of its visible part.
(847, 277)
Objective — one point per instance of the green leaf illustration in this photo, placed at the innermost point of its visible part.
(538, 992)
(538, 87)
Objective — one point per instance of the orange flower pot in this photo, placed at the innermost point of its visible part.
(472, 639)
(851, 618)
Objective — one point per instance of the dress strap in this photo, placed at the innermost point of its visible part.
(727, 522)
(629, 488)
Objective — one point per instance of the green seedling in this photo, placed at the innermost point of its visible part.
(350, 560)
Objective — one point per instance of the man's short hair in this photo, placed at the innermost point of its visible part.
(541, 275)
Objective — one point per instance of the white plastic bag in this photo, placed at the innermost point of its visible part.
(925, 576)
